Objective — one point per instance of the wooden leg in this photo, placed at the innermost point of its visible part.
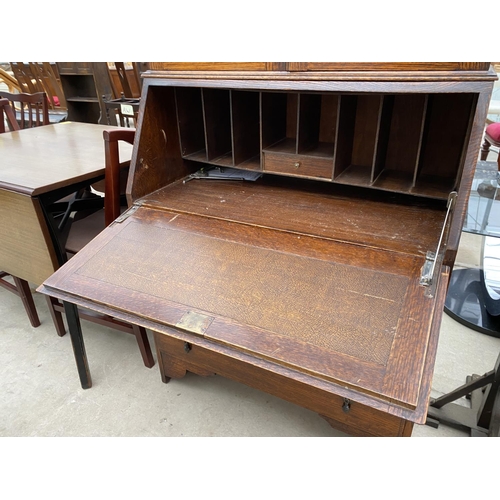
(144, 347)
(171, 367)
(75, 332)
(485, 149)
(26, 296)
(56, 316)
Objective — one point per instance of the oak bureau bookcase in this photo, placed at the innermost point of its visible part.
(321, 282)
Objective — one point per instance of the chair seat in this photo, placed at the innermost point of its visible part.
(493, 133)
(85, 230)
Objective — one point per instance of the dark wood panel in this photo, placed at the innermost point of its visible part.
(334, 212)
(385, 66)
(245, 124)
(216, 109)
(359, 420)
(156, 161)
(190, 119)
(218, 66)
(445, 135)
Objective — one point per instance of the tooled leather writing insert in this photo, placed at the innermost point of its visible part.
(351, 310)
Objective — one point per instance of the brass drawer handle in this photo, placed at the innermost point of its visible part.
(296, 164)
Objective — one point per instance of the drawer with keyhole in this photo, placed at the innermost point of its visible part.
(306, 166)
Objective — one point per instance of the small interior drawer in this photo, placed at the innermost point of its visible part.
(298, 165)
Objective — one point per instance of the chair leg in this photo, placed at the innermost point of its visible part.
(144, 347)
(485, 149)
(26, 296)
(56, 316)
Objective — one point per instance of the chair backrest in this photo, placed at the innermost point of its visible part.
(22, 73)
(36, 77)
(10, 81)
(122, 112)
(7, 114)
(124, 79)
(113, 168)
(31, 110)
(47, 79)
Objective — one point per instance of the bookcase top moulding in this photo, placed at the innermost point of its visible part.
(319, 66)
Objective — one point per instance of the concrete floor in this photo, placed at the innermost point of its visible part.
(40, 394)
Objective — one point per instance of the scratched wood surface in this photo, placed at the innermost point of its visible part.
(304, 301)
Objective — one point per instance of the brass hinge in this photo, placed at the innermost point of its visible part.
(125, 215)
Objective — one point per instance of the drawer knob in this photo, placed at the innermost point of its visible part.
(187, 347)
(296, 164)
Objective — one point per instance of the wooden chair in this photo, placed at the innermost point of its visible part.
(47, 80)
(10, 81)
(122, 107)
(83, 230)
(37, 77)
(31, 110)
(8, 116)
(19, 286)
(491, 138)
(124, 81)
(122, 112)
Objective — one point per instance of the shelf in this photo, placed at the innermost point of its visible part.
(394, 180)
(355, 175)
(82, 99)
(433, 187)
(197, 156)
(406, 143)
(285, 146)
(321, 149)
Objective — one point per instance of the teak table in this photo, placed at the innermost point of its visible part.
(321, 282)
(39, 166)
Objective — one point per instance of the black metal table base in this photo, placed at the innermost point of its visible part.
(467, 304)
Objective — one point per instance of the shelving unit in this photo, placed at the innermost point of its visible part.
(84, 84)
(406, 143)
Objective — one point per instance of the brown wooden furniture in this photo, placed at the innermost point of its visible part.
(37, 77)
(72, 156)
(84, 84)
(323, 282)
(122, 112)
(125, 79)
(122, 107)
(19, 287)
(32, 109)
(491, 138)
(10, 81)
(8, 116)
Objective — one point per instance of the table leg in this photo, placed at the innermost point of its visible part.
(75, 331)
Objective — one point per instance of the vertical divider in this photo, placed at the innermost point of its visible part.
(297, 131)
(382, 135)
(345, 133)
(420, 140)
